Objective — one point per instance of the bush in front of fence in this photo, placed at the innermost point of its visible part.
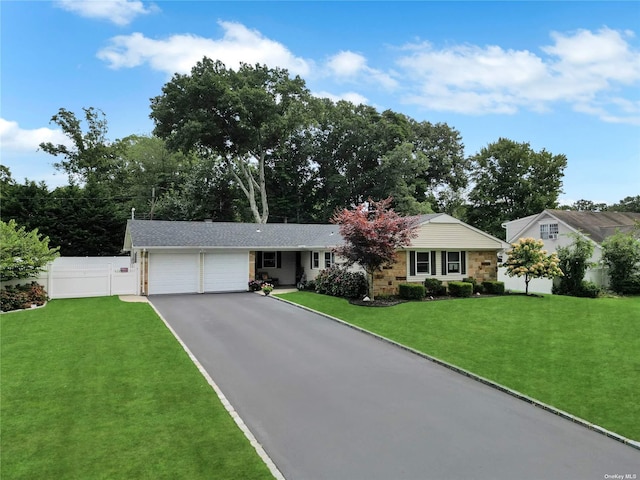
(18, 297)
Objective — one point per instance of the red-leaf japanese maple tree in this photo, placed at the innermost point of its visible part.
(373, 233)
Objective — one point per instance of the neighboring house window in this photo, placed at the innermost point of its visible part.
(315, 259)
(548, 230)
(328, 259)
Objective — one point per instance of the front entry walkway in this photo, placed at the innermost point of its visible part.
(328, 402)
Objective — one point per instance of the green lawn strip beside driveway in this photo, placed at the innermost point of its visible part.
(578, 355)
(98, 388)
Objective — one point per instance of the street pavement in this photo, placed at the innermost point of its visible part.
(329, 402)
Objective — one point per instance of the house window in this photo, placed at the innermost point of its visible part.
(422, 262)
(328, 259)
(269, 260)
(453, 262)
(315, 259)
(548, 230)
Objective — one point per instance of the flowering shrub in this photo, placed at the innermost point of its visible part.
(22, 296)
(527, 259)
(254, 286)
(267, 288)
(339, 282)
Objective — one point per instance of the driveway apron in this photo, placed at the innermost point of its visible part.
(328, 402)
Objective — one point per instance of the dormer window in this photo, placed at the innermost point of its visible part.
(548, 231)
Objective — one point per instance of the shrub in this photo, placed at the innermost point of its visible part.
(460, 289)
(477, 287)
(493, 287)
(411, 291)
(254, 286)
(588, 290)
(434, 287)
(339, 282)
(630, 286)
(19, 297)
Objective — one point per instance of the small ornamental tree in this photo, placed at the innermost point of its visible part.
(621, 254)
(527, 259)
(373, 233)
(22, 254)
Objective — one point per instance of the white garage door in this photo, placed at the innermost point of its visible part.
(173, 273)
(226, 272)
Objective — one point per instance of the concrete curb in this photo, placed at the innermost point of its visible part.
(227, 405)
(485, 381)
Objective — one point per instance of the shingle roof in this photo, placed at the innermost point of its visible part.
(598, 225)
(158, 233)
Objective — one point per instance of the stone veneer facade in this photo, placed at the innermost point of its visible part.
(480, 265)
(252, 266)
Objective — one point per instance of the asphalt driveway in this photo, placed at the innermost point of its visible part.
(328, 402)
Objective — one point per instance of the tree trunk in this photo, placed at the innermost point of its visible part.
(249, 184)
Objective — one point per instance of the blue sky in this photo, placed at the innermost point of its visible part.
(563, 76)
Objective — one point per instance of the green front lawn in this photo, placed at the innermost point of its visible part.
(100, 389)
(579, 355)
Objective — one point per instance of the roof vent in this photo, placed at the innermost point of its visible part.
(208, 220)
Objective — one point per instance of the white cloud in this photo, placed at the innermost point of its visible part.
(179, 53)
(18, 140)
(350, 66)
(582, 69)
(120, 12)
(352, 97)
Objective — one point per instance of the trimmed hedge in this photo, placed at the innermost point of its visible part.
(460, 289)
(434, 287)
(18, 297)
(477, 287)
(493, 287)
(339, 282)
(411, 291)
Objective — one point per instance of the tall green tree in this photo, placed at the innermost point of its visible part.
(92, 156)
(207, 191)
(511, 181)
(243, 116)
(627, 204)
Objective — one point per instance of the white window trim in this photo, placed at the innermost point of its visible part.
(459, 262)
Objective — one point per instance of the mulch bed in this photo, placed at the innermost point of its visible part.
(391, 301)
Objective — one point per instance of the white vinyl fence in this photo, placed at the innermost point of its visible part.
(77, 277)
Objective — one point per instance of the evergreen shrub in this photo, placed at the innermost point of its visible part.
(460, 289)
(411, 291)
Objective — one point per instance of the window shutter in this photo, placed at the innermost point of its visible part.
(412, 262)
(433, 262)
(444, 263)
(259, 259)
(278, 259)
(463, 262)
